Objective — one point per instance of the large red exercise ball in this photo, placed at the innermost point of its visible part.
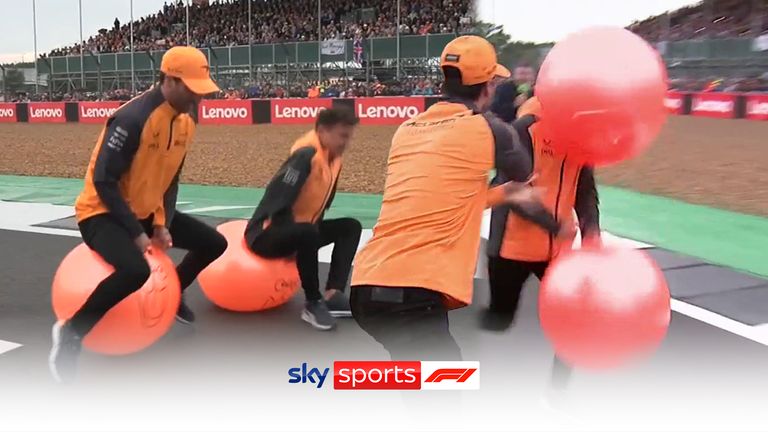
(602, 94)
(604, 307)
(241, 281)
(133, 324)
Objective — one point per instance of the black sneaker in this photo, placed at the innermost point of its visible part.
(65, 350)
(184, 315)
(316, 313)
(338, 305)
(497, 321)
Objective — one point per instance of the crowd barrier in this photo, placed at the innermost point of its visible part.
(371, 111)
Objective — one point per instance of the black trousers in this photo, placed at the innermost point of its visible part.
(410, 323)
(111, 241)
(304, 240)
(506, 279)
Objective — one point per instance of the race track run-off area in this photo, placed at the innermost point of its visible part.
(229, 370)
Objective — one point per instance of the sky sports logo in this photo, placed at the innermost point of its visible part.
(391, 375)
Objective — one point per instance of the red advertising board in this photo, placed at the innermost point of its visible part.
(226, 112)
(757, 107)
(8, 112)
(296, 111)
(96, 112)
(46, 112)
(674, 102)
(388, 110)
(714, 105)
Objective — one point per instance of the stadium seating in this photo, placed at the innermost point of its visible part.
(225, 23)
(707, 19)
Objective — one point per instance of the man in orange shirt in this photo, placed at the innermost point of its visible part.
(421, 259)
(289, 218)
(130, 194)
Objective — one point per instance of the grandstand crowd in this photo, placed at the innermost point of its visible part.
(225, 23)
(707, 19)
(338, 88)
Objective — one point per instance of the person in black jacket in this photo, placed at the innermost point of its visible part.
(519, 244)
(289, 218)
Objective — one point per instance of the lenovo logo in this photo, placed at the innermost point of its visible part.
(757, 108)
(46, 113)
(712, 106)
(225, 113)
(305, 112)
(100, 113)
(388, 110)
(7, 112)
(297, 111)
(673, 103)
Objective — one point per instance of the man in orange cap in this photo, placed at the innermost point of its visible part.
(421, 260)
(128, 201)
(518, 245)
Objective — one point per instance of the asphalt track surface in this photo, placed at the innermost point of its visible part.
(701, 376)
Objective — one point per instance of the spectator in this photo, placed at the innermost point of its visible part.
(725, 19)
(225, 23)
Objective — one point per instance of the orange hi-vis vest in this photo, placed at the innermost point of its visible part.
(523, 240)
(319, 186)
(428, 231)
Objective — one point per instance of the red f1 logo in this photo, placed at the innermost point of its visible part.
(450, 375)
(458, 375)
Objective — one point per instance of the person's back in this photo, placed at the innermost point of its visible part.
(428, 232)
(434, 197)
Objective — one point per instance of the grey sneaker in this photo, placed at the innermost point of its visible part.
(316, 313)
(65, 351)
(338, 305)
(185, 315)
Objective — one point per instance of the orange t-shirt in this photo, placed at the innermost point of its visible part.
(428, 232)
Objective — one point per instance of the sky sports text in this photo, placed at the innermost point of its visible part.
(392, 375)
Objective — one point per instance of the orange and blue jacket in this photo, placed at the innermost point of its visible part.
(302, 189)
(134, 169)
(530, 234)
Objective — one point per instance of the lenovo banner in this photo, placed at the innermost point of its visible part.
(714, 105)
(757, 107)
(388, 110)
(225, 112)
(297, 111)
(674, 102)
(8, 113)
(96, 112)
(46, 112)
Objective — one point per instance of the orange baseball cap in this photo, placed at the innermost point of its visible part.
(190, 65)
(473, 56)
(502, 71)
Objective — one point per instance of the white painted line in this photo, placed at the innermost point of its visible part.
(757, 333)
(6, 346)
(41, 230)
(32, 213)
(217, 208)
(20, 216)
